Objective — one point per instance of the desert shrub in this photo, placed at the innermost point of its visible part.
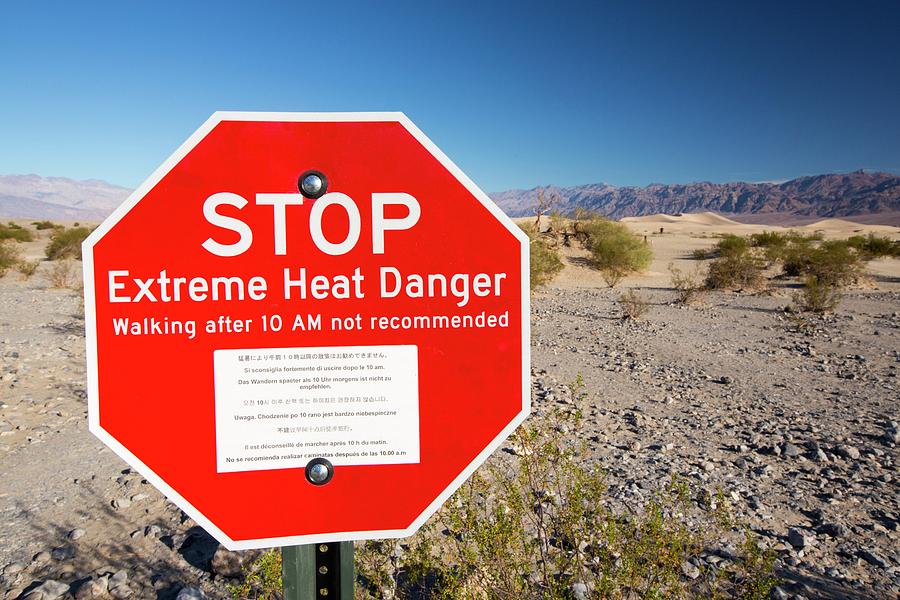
(66, 243)
(833, 262)
(731, 244)
(545, 260)
(689, 287)
(62, 273)
(634, 306)
(736, 270)
(700, 254)
(42, 225)
(818, 296)
(615, 251)
(261, 579)
(873, 246)
(9, 255)
(13, 231)
(534, 526)
(27, 267)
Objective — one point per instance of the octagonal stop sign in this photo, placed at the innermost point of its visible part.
(289, 287)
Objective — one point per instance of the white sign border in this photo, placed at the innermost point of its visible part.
(90, 322)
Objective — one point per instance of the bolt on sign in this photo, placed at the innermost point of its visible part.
(307, 327)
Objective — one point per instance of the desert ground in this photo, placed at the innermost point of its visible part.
(791, 418)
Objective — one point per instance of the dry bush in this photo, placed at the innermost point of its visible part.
(13, 231)
(615, 251)
(818, 296)
(689, 287)
(738, 268)
(541, 526)
(874, 246)
(10, 255)
(634, 306)
(27, 267)
(42, 225)
(66, 243)
(62, 273)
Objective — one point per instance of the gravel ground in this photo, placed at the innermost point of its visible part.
(791, 420)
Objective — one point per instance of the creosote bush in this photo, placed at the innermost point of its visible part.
(62, 273)
(818, 296)
(545, 260)
(738, 268)
(10, 255)
(689, 287)
(634, 306)
(27, 267)
(66, 243)
(873, 246)
(539, 525)
(42, 225)
(615, 251)
(13, 231)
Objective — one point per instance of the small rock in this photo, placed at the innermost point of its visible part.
(226, 563)
(801, 538)
(872, 558)
(13, 568)
(690, 570)
(152, 531)
(51, 589)
(778, 593)
(41, 558)
(62, 553)
(790, 450)
(579, 591)
(94, 588)
(847, 451)
(119, 503)
(76, 534)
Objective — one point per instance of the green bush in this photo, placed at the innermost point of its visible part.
(873, 246)
(731, 244)
(634, 306)
(27, 267)
(700, 254)
(532, 526)
(66, 243)
(834, 262)
(545, 260)
(12, 231)
(818, 296)
(9, 255)
(738, 269)
(688, 286)
(615, 251)
(42, 225)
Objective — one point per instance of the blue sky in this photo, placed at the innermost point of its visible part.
(518, 94)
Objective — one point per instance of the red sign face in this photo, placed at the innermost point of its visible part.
(238, 329)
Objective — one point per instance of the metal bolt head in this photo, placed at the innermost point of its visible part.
(313, 184)
(319, 471)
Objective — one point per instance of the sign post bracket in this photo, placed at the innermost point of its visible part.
(318, 571)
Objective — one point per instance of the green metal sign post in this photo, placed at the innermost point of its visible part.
(318, 571)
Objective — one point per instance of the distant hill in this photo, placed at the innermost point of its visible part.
(801, 199)
(58, 198)
(864, 197)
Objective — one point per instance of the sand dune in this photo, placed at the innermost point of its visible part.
(706, 219)
(843, 227)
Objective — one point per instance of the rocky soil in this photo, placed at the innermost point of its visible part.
(795, 421)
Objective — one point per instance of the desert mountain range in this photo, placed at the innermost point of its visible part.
(867, 197)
